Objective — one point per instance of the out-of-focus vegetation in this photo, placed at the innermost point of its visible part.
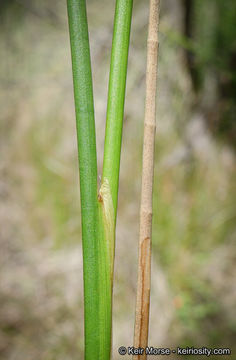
(211, 54)
(193, 289)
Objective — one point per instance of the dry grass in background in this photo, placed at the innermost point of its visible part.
(193, 294)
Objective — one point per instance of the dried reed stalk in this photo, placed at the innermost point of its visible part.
(144, 265)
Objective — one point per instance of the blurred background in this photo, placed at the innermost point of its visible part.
(193, 294)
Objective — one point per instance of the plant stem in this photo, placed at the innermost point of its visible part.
(98, 214)
(116, 96)
(144, 265)
(83, 94)
(106, 261)
(110, 178)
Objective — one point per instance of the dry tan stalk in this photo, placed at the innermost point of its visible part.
(144, 265)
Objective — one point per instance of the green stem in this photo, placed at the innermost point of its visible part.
(98, 215)
(83, 94)
(106, 257)
(110, 178)
(116, 96)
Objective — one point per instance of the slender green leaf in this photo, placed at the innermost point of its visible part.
(116, 96)
(109, 188)
(83, 93)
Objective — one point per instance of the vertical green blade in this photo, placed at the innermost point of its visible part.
(83, 93)
(116, 96)
(110, 178)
